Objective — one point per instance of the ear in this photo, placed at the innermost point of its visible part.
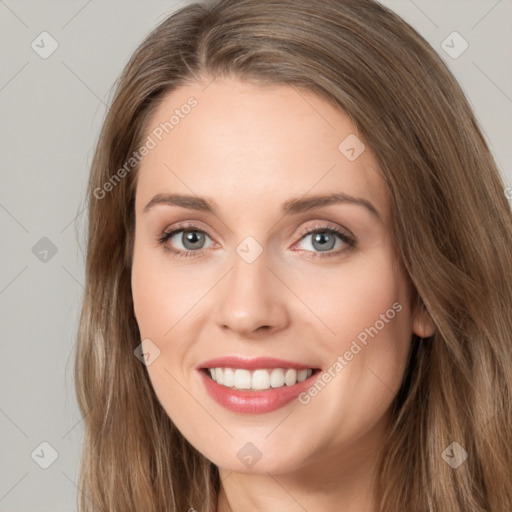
(422, 323)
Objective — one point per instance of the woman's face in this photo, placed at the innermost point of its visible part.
(317, 325)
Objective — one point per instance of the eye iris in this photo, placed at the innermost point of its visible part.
(326, 240)
(192, 237)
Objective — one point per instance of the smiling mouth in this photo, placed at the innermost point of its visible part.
(260, 379)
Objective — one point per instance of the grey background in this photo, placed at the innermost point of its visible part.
(51, 113)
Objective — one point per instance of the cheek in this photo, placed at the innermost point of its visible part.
(371, 317)
(360, 296)
(161, 298)
(380, 325)
(163, 306)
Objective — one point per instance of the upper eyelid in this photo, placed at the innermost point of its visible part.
(327, 226)
(192, 226)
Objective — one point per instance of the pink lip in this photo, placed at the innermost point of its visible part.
(252, 402)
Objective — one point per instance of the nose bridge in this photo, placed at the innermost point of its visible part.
(251, 296)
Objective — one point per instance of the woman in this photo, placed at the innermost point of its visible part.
(224, 363)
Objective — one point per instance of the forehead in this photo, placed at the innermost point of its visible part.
(246, 144)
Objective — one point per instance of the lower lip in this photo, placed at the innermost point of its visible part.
(254, 402)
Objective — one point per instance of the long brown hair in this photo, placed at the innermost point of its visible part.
(452, 227)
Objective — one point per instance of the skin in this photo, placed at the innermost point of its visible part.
(251, 148)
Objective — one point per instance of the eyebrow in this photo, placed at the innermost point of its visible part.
(292, 206)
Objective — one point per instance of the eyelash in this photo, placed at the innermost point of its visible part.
(319, 228)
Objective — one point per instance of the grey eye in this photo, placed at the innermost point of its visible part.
(321, 241)
(190, 239)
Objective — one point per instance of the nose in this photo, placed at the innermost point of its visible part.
(251, 299)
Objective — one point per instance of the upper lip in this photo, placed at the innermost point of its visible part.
(251, 363)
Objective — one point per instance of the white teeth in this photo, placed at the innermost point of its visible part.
(258, 380)
(228, 379)
(277, 378)
(302, 375)
(242, 378)
(290, 377)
